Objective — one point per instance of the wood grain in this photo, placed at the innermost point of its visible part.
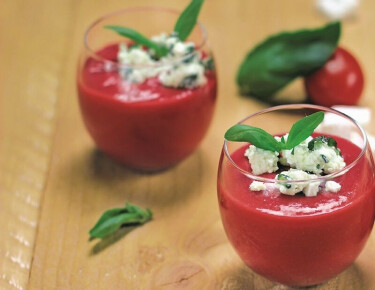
(29, 85)
(54, 184)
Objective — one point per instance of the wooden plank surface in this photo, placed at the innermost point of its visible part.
(54, 184)
(29, 88)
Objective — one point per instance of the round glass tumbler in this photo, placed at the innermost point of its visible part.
(299, 240)
(144, 125)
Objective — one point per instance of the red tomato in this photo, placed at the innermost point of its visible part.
(338, 82)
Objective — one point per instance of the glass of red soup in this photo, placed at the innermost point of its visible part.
(300, 211)
(144, 110)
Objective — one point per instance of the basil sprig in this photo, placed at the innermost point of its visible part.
(299, 132)
(303, 129)
(188, 19)
(130, 33)
(256, 136)
(183, 27)
(278, 60)
(113, 219)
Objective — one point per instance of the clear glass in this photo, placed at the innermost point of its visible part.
(299, 240)
(146, 125)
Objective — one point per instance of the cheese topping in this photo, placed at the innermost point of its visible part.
(262, 161)
(332, 186)
(171, 71)
(308, 188)
(308, 160)
(322, 159)
(257, 186)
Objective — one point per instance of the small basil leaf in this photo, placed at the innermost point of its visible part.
(256, 136)
(303, 129)
(338, 152)
(325, 159)
(318, 141)
(139, 38)
(278, 60)
(283, 177)
(332, 142)
(115, 218)
(188, 19)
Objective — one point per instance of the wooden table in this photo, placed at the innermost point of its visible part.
(54, 184)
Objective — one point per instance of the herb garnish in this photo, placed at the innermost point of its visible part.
(325, 159)
(303, 129)
(183, 27)
(188, 19)
(113, 219)
(281, 58)
(284, 177)
(256, 136)
(318, 141)
(160, 51)
(299, 132)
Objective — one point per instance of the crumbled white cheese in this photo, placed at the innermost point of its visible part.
(173, 70)
(160, 38)
(184, 76)
(282, 158)
(332, 186)
(262, 161)
(291, 188)
(171, 41)
(323, 159)
(257, 186)
(135, 57)
(181, 49)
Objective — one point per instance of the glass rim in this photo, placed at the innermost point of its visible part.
(319, 178)
(92, 53)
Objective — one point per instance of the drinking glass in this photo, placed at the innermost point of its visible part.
(146, 125)
(299, 240)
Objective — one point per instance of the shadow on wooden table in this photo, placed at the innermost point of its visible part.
(245, 279)
(111, 239)
(101, 177)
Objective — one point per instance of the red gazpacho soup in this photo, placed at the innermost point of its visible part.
(297, 240)
(144, 125)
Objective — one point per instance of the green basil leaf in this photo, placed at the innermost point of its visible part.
(115, 218)
(303, 129)
(318, 141)
(278, 60)
(139, 38)
(283, 177)
(188, 19)
(256, 136)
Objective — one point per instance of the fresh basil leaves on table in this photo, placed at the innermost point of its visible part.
(281, 58)
(299, 132)
(114, 218)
